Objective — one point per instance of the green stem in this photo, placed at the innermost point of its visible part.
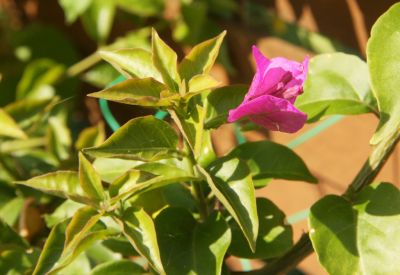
(82, 66)
(365, 176)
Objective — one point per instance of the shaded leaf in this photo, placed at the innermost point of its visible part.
(142, 7)
(65, 211)
(220, 101)
(91, 137)
(267, 159)
(274, 236)
(110, 169)
(359, 237)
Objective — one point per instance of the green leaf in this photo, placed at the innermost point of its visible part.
(29, 111)
(120, 267)
(147, 177)
(52, 249)
(110, 169)
(100, 75)
(267, 159)
(9, 239)
(143, 8)
(79, 266)
(91, 137)
(139, 229)
(145, 92)
(64, 184)
(232, 184)
(8, 127)
(38, 78)
(220, 101)
(82, 221)
(74, 8)
(59, 138)
(200, 83)
(65, 211)
(165, 60)
(201, 58)
(336, 83)
(71, 254)
(383, 55)
(143, 138)
(89, 180)
(98, 19)
(132, 63)
(188, 247)
(18, 261)
(275, 237)
(9, 213)
(360, 237)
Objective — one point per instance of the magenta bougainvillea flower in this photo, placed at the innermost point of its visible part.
(275, 87)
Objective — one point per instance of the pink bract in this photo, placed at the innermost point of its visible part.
(273, 91)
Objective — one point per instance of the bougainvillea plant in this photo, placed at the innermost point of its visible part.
(158, 185)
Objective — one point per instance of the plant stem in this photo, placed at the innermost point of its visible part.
(365, 176)
(81, 66)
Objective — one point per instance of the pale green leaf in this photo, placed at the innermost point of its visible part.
(98, 19)
(139, 229)
(91, 137)
(383, 56)
(143, 8)
(360, 237)
(165, 60)
(145, 92)
(337, 84)
(89, 180)
(144, 138)
(134, 62)
(201, 58)
(120, 267)
(231, 182)
(64, 184)
(8, 127)
(74, 8)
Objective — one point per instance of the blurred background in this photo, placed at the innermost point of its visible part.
(48, 61)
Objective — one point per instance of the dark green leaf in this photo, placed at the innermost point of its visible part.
(336, 83)
(9, 239)
(188, 247)
(220, 101)
(383, 55)
(358, 238)
(267, 159)
(274, 236)
(144, 138)
(52, 249)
